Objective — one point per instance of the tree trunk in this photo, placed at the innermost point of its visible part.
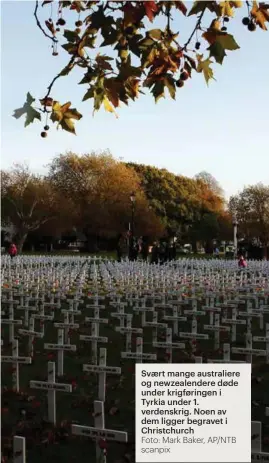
(21, 240)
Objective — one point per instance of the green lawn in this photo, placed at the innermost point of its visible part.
(21, 416)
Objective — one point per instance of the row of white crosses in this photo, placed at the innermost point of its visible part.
(138, 355)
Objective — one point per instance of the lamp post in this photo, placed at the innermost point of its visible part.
(131, 240)
(235, 224)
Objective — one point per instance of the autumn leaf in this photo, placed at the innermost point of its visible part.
(108, 106)
(180, 6)
(169, 82)
(227, 8)
(50, 27)
(64, 115)
(204, 67)
(222, 43)
(31, 113)
(158, 90)
(200, 6)
(260, 14)
(150, 8)
(155, 34)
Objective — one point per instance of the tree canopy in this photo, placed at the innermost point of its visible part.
(126, 47)
(251, 210)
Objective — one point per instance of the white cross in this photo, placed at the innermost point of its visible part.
(264, 339)
(226, 356)
(248, 350)
(94, 339)
(102, 369)
(60, 347)
(15, 359)
(27, 308)
(52, 387)
(169, 345)
(31, 333)
(175, 318)
(155, 325)
(234, 322)
(193, 334)
(98, 431)
(19, 452)
(129, 330)
(138, 355)
(66, 326)
(216, 328)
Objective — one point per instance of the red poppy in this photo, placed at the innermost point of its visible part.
(50, 356)
(102, 444)
(36, 404)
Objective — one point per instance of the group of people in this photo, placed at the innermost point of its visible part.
(139, 247)
(132, 247)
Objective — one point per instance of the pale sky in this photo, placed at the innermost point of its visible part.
(222, 129)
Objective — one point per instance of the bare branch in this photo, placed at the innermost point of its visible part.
(54, 40)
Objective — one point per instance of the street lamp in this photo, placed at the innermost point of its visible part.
(131, 240)
(235, 224)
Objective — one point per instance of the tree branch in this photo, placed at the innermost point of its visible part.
(197, 26)
(54, 40)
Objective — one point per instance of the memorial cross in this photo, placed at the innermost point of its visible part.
(60, 347)
(42, 317)
(52, 387)
(66, 326)
(11, 322)
(155, 325)
(139, 356)
(15, 359)
(226, 356)
(94, 339)
(169, 345)
(234, 322)
(212, 310)
(193, 335)
(99, 432)
(264, 339)
(129, 330)
(176, 318)
(27, 308)
(102, 369)
(248, 350)
(217, 329)
(31, 333)
(120, 314)
(19, 449)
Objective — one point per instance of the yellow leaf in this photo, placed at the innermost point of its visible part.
(204, 67)
(227, 8)
(260, 13)
(108, 106)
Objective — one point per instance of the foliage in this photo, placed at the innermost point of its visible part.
(211, 182)
(251, 209)
(99, 188)
(179, 201)
(138, 54)
(27, 201)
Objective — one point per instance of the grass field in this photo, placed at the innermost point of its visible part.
(21, 416)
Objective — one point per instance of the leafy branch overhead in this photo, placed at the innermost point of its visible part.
(121, 53)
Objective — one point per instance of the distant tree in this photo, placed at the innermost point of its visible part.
(27, 202)
(179, 201)
(137, 56)
(251, 208)
(99, 188)
(212, 183)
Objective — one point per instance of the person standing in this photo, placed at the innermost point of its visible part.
(12, 250)
(242, 262)
(144, 250)
(155, 253)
